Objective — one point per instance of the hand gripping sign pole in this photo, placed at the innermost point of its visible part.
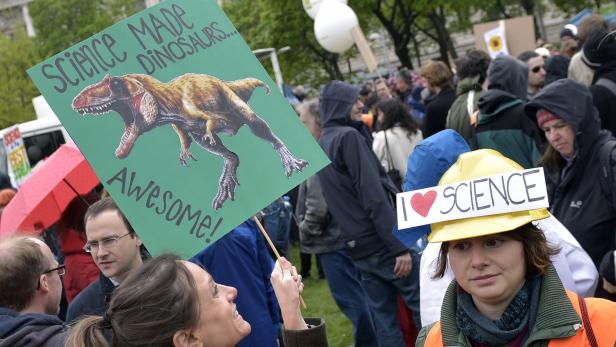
(271, 244)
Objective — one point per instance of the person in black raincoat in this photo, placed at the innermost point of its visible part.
(580, 164)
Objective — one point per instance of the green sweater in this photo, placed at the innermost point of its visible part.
(556, 317)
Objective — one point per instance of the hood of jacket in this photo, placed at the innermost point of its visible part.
(572, 102)
(509, 75)
(29, 329)
(427, 163)
(467, 84)
(507, 87)
(336, 101)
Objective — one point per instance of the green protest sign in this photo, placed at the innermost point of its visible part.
(180, 122)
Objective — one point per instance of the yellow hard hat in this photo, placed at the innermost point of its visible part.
(481, 163)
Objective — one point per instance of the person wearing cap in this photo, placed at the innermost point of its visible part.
(580, 195)
(506, 291)
(578, 70)
(600, 54)
(568, 40)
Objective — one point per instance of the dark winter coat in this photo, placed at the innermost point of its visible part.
(30, 329)
(437, 108)
(604, 99)
(93, 300)
(600, 54)
(318, 231)
(577, 199)
(353, 182)
(502, 124)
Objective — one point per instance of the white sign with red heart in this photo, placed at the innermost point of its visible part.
(483, 196)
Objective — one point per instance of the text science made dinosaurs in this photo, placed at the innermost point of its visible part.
(183, 126)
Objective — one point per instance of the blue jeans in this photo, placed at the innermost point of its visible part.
(345, 286)
(382, 288)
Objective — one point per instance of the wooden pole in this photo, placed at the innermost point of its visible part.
(271, 244)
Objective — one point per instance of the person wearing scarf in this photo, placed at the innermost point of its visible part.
(506, 291)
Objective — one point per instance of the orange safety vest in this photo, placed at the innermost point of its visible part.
(601, 322)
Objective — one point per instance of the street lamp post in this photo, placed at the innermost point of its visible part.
(273, 55)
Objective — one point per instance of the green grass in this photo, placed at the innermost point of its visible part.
(321, 304)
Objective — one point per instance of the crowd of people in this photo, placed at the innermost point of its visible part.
(526, 278)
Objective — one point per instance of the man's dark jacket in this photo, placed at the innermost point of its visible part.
(353, 183)
(577, 199)
(93, 300)
(502, 124)
(30, 329)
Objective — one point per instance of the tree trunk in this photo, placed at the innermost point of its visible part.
(529, 6)
(335, 74)
(444, 41)
(399, 35)
(417, 51)
(402, 51)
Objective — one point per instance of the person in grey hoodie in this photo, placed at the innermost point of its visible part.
(355, 188)
(502, 124)
(30, 290)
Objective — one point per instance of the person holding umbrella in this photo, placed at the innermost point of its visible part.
(506, 291)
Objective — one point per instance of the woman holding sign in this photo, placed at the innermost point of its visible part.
(168, 302)
(580, 162)
(506, 291)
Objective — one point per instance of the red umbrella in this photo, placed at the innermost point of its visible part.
(47, 192)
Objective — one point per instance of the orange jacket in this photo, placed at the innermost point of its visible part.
(601, 313)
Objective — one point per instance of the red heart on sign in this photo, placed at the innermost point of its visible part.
(423, 202)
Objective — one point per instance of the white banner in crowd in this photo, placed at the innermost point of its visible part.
(496, 41)
(503, 193)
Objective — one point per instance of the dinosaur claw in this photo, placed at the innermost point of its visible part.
(184, 155)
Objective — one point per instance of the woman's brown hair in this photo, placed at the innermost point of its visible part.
(537, 251)
(552, 160)
(437, 74)
(147, 309)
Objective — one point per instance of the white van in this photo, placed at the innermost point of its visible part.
(42, 136)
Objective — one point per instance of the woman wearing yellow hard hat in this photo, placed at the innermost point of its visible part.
(506, 291)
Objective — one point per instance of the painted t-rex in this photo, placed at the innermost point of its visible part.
(198, 107)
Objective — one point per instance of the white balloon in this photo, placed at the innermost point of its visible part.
(312, 6)
(333, 25)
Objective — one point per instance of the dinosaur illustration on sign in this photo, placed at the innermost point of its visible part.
(197, 106)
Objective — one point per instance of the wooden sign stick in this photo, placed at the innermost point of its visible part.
(271, 244)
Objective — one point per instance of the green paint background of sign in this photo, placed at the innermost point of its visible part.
(155, 155)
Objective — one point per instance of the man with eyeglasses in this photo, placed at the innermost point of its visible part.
(536, 71)
(30, 291)
(116, 250)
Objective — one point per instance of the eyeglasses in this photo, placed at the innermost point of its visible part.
(61, 271)
(107, 243)
(537, 68)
